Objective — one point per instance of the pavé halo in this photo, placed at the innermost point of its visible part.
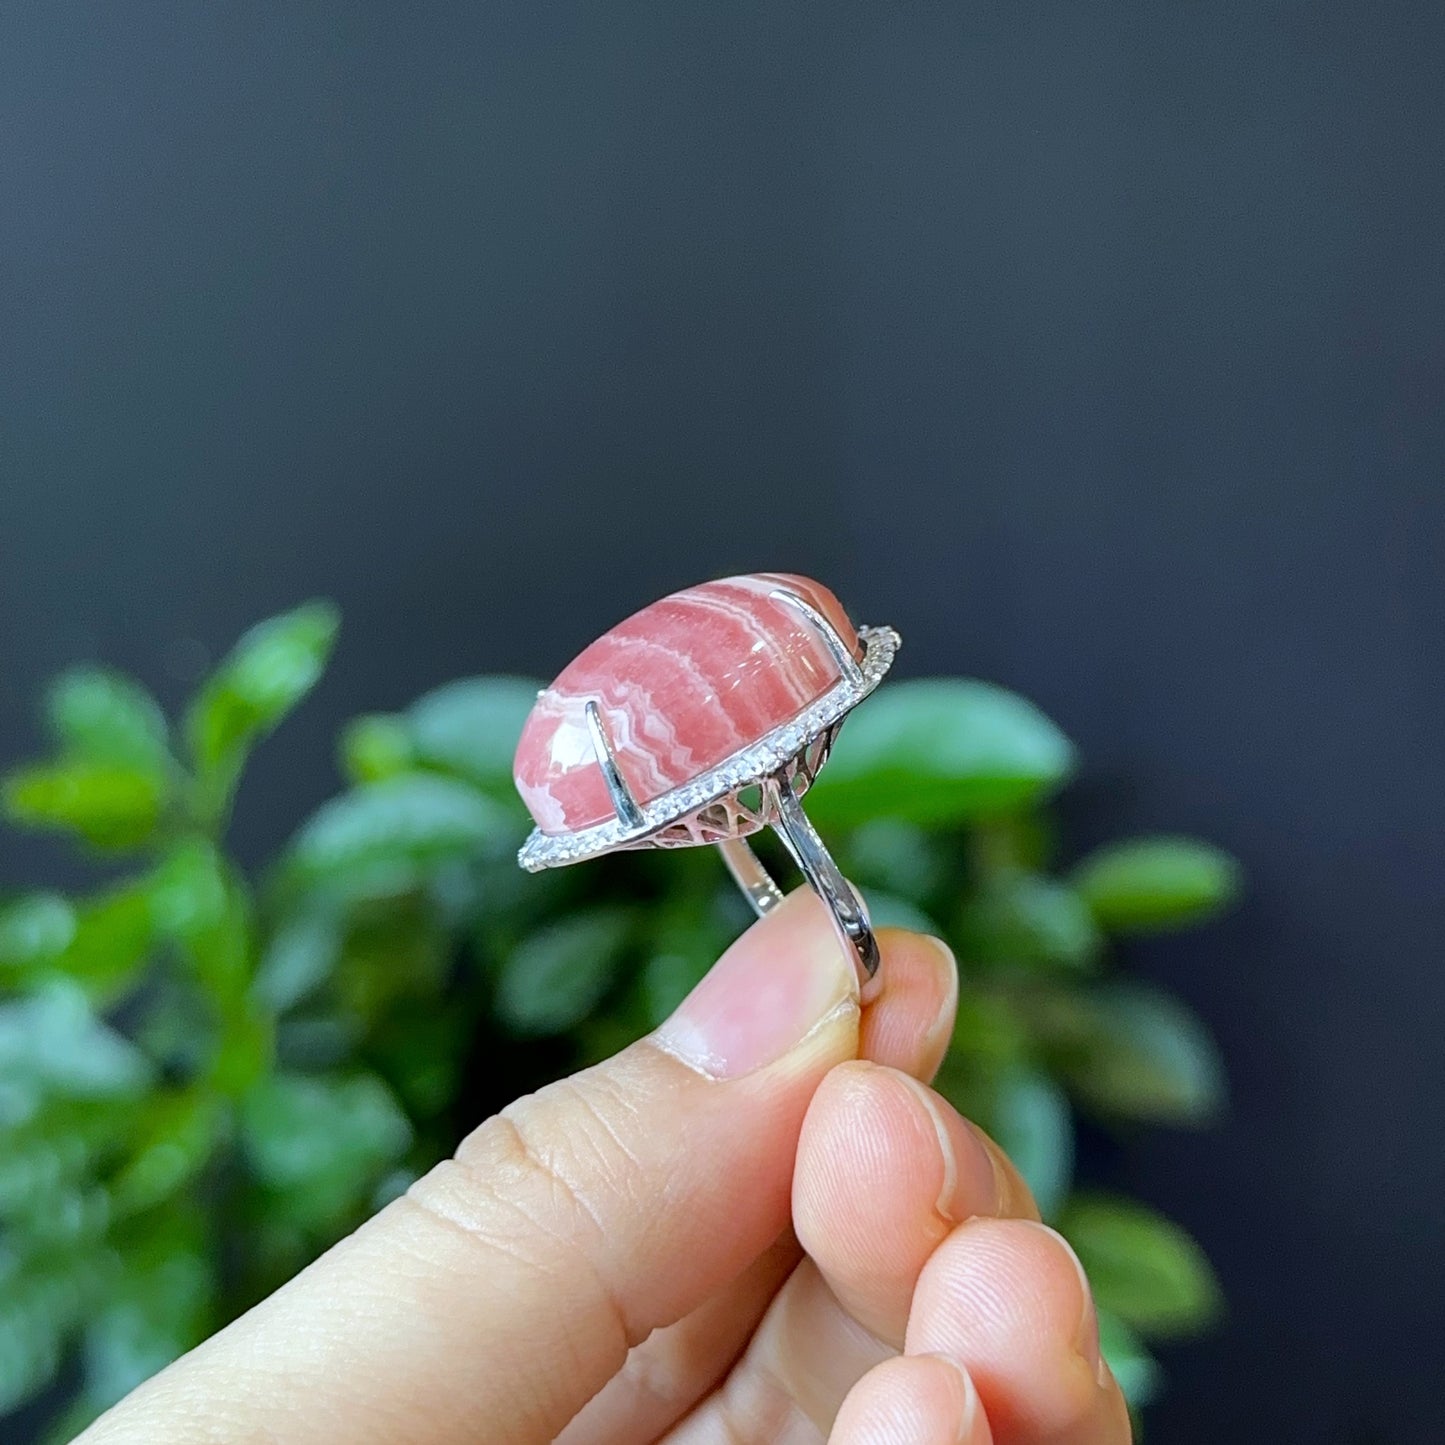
(704, 718)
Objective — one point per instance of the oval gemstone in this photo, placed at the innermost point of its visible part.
(680, 686)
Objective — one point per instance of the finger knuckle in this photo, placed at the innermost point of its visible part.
(547, 1180)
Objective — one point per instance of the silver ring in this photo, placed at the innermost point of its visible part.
(628, 748)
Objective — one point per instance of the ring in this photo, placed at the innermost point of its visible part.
(705, 718)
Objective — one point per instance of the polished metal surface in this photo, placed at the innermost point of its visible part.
(750, 875)
(623, 803)
(850, 916)
(842, 653)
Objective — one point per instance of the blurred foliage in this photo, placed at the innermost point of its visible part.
(206, 1078)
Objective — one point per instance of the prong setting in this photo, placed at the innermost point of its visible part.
(629, 814)
(841, 652)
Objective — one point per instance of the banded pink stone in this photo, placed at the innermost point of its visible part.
(680, 686)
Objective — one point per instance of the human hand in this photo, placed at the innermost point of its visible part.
(757, 1224)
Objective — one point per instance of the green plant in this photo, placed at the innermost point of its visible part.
(205, 1079)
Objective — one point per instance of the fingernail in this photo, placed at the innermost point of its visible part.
(1086, 1341)
(968, 1419)
(970, 1186)
(765, 995)
(940, 1031)
(1004, 1201)
(968, 1415)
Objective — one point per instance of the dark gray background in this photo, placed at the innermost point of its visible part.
(1097, 346)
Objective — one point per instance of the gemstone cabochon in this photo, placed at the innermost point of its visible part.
(682, 685)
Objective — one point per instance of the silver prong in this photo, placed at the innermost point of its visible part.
(847, 663)
(623, 803)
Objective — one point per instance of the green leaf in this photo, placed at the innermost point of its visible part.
(300, 957)
(199, 899)
(52, 1044)
(940, 750)
(508, 903)
(556, 977)
(309, 1042)
(41, 1301)
(988, 1034)
(159, 1306)
(49, 1200)
(1144, 1268)
(109, 805)
(178, 1024)
(668, 976)
(421, 1050)
(105, 717)
(39, 1164)
(1013, 842)
(203, 905)
(245, 1048)
(889, 910)
(460, 893)
(392, 955)
(1136, 1370)
(384, 834)
(604, 1034)
(392, 1187)
(30, 1348)
(34, 932)
(268, 672)
(375, 747)
(70, 1221)
(174, 1138)
(471, 727)
(897, 857)
(1156, 883)
(114, 935)
(323, 1142)
(683, 944)
(1026, 921)
(297, 1127)
(1030, 1120)
(1131, 1051)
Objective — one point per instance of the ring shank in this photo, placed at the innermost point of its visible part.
(845, 907)
(750, 875)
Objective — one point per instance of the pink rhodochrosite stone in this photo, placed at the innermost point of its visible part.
(681, 686)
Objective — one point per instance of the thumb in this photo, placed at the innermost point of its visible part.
(507, 1286)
